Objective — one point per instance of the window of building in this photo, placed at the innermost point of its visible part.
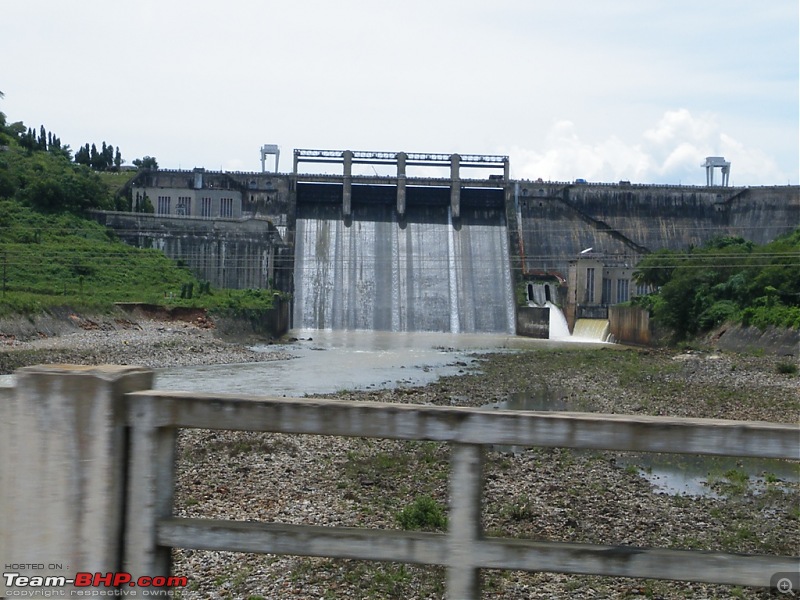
(606, 299)
(590, 285)
(622, 290)
(205, 207)
(226, 207)
(184, 206)
(163, 207)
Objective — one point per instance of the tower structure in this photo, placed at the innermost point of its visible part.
(717, 161)
(269, 149)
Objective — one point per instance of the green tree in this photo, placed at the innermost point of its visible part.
(82, 156)
(656, 269)
(94, 158)
(729, 279)
(148, 162)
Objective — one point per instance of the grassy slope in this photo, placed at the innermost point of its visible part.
(57, 259)
(50, 256)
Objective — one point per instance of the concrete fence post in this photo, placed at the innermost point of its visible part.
(464, 521)
(151, 477)
(63, 448)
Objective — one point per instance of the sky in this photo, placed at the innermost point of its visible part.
(603, 90)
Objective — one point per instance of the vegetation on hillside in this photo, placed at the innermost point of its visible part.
(50, 255)
(728, 279)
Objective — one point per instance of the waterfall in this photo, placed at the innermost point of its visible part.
(425, 274)
(591, 330)
(455, 326)
(559, 329)
(586, 330)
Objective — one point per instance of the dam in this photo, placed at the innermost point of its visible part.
(377, 271)
(451, 247)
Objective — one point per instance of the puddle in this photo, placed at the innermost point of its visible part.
(673, 474)
(692, 475)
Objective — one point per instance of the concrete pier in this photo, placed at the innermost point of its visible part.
(347, 183)
(401, 183)
(455, 185)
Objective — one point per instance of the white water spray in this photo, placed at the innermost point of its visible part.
(455, 324)
(559, 330)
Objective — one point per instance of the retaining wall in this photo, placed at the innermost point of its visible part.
(533, 321)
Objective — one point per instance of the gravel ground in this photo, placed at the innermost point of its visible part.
(144, 342)
(548, 494)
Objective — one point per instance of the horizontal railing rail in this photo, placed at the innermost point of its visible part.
(152, 530)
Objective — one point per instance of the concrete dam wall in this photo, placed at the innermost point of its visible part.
(424, 273)
(555, 222)
(409, 266)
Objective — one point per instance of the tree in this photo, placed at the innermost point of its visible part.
(117, 160)
(3, 130)
(729, 279)
(655, 269)
(82, 156)
(148, 162)
(94, 158)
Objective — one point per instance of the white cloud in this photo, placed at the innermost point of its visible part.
(669, 152)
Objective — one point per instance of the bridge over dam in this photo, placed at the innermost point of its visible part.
(445, 252)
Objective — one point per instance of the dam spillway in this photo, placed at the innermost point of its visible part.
(422, 272)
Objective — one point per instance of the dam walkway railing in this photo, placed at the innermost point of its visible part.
(88, 479)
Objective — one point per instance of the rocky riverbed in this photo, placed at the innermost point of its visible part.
(546, 494)
(126, 341)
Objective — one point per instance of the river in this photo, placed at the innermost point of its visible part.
(325, 361)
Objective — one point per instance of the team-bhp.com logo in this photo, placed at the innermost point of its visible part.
(118, 579)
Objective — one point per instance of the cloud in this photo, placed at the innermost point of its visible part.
(669, 152)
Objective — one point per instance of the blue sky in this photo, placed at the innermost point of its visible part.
(609, 90)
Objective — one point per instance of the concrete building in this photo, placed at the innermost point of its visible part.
(190, 194)
(596, 281)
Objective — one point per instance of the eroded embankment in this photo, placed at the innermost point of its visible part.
(156, 339)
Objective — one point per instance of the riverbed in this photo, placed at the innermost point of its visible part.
(550, 494)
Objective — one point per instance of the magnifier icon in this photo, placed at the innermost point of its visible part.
(784, 586)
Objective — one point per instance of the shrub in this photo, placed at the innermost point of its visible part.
(786, 368)
(423, 513)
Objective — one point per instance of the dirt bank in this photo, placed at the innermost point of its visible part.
(170, 339)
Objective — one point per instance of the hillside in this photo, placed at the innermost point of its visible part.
(51, 256)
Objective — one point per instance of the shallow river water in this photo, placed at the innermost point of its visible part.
(324, 362)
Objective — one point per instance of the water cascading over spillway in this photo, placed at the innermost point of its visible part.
(424, 275)
(559, 329)
(593, 330)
